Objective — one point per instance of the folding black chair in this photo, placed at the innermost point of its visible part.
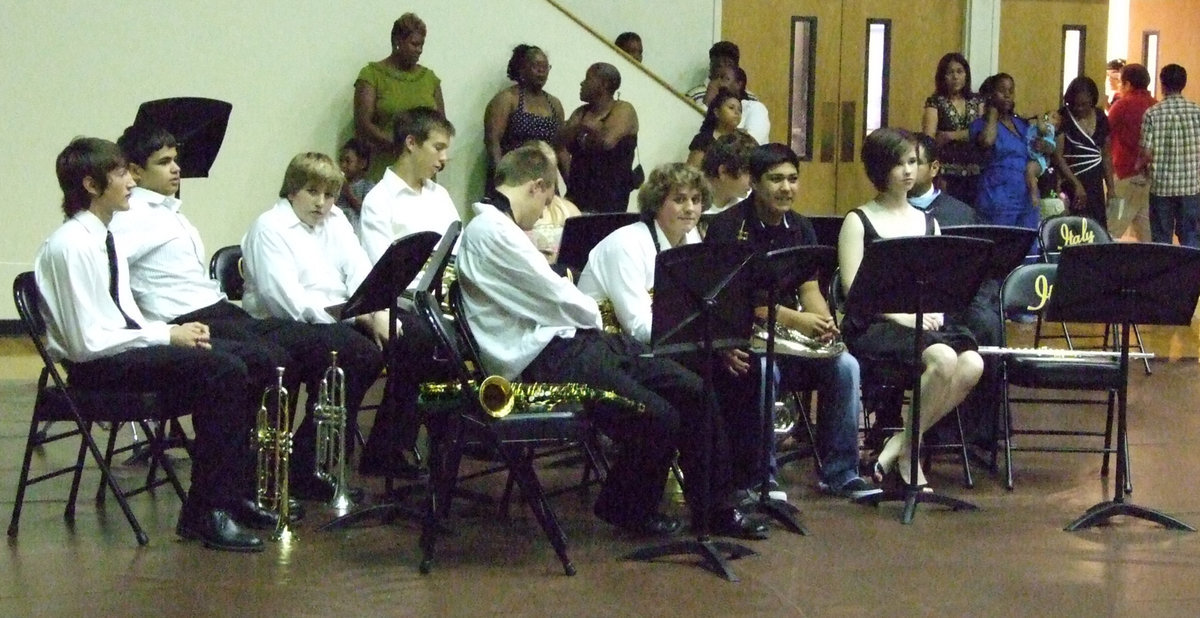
(513, 438)
(1027, 289)
(56, 401)
(225, 268)
(1056, 233)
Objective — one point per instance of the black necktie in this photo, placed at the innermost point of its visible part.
(111, 248)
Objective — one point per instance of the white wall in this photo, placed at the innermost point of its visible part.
(676, 34)
(288, 66)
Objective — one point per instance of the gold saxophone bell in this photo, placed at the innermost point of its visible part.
(496, 396)
(272, 441)
(330, 419)
(499, 397)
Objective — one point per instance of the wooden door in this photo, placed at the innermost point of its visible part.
(834, 34)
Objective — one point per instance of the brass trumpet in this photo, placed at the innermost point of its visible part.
(499, 397)
(272, 440)
(330, 417)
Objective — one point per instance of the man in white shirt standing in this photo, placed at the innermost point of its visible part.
(301, 257)
(531, 323)
(406, 201)
(105, 343)
(169, 275)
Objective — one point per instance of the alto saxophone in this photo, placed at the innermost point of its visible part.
(499, 397)
(272, 440)
(330, 417)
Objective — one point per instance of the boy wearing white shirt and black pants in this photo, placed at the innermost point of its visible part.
(405, 201)
(302, 256)
(96, 330)
(169, 276)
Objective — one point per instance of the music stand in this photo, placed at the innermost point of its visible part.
(782, 270)
(1126, 284)
(198, 125)
(917, 274)
(1010, 245)
(581, 234)
(381, 290)
(702, 304)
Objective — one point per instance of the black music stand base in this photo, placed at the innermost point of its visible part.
(1104, 511)
(781, 511)
(714, 555)
(911, 496)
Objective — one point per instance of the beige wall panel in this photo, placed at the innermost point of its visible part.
(1178, 25)
(1031, 47)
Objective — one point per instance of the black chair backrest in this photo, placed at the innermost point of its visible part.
(28, 301)
(1056, 233)
(1027, 289)
(226, 268)
(827, 227)
(464, 330)
(582, 234)
(429, 310)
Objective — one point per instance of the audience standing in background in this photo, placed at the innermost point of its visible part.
(1171, 156)
(755, 119)
(721, 54)
(723, 116)
(599, 142)
(1132, 188)
(522, 112)
(392, 85)
(1112, 72)
(630, 43)
(1002, 197)
(354, 159)
(1083, 143)
(949, 112)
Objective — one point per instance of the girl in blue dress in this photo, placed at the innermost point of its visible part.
(1003, 196)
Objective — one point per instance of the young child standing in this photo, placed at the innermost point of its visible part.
(354, 159)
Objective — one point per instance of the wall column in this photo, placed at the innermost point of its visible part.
(981, 38)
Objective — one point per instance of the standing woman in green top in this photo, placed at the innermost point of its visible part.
(387, 87)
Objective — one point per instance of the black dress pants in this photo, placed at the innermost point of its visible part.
(677, 410)
(304, 350)
(209, 383)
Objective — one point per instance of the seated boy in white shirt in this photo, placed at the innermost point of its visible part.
(105, 342)
(301, 257)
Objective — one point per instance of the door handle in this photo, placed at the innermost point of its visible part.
(828, 131)
(847, 131)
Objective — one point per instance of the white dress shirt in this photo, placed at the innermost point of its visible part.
(168, 269)
(392, 209)
(621, 269)
(513, 301)
(756, 121)
(82, 321)
(295, 271)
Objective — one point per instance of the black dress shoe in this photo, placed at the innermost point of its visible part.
(732, 522)
(216, 529)
(247, 513)
(655, 524)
